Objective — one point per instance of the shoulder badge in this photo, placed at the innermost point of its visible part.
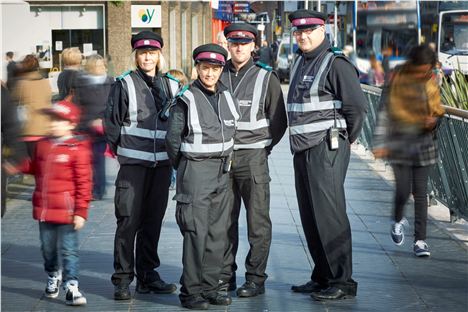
(171, 77)
(337, 51)
(122, 76)
(264, 66)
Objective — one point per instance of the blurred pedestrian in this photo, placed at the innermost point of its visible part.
(375, 75)
(200, 139)
(406, 136)
(136, 135)
(261, 126)
(92, 89)
(12, 70)
(32, 94)
(71, 58)
(326, 109)
(265, 54)
(13, 150)
(61, 165)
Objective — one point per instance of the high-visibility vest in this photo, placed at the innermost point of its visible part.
(312, 110)
(142, 137)
(211, 134)
(253, 128)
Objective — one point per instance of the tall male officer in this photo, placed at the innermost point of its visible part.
(200, 139)
(262, 124)
(136, 135)
(326, 109)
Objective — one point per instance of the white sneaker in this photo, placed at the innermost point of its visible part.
(73, 296)
(421, 249)
(53, 284)
(398, 231)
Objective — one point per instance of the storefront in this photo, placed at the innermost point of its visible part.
(222, 17)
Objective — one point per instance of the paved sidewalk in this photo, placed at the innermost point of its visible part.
(390, 278)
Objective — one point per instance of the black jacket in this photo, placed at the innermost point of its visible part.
(92, 97)
(178, 129)
(342, 81)
(274, 101)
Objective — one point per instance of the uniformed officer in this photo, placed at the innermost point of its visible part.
(262, 125)
(136, 134)
(326, 108)
(200, 140)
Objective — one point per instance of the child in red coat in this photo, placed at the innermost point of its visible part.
(63, 172)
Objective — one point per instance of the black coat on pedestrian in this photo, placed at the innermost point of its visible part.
(91, 94)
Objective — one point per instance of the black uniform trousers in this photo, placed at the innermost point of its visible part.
(249, 182)
(141, 197)
(202, 215)
(319, 175)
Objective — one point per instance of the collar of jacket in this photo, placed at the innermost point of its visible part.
(316, 52)
(148, 79)
(219, 88)
(243, 69)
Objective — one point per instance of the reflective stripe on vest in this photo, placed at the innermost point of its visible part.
(315, 104)
(259, 144)
(206, 149)
(133, 130)
(131, 153)
(326, 106)
(253, 123)
(317, 126)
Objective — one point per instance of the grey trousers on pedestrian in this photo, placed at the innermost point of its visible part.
(202, 215)
(320, 174)
(249, 182)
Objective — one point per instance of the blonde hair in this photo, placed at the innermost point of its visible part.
(96, 65)
(179, 75)
(71, 57)
(160, 65)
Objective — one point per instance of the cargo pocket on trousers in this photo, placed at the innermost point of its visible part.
(184, 213)
(262, 179)
(123, 199)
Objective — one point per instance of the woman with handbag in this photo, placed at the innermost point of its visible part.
(410, 111)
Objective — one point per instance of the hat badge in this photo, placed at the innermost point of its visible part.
(240, 34)
(213, 56)
(146, 42)
(302, 21)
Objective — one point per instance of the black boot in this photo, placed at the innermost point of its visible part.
(331, 293)
(195, 303)
(122, 292)
(157, 287)
(218, 298)
(250, 289)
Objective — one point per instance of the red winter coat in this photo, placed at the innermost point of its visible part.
(63, 174)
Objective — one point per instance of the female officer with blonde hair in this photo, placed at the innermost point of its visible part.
(136, 134)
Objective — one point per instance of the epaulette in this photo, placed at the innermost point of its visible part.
(337, 51)
(122, 76)
(264, 66)
(172, 77)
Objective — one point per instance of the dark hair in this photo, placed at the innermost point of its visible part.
(422, 55)
(30, 63)
(10, 54)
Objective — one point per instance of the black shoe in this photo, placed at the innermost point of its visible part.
(331, 293)
(157, 287)
(227, 286)
(309, 287)
(122, 292)
(218, 299)
(250, 289)
(196, 303)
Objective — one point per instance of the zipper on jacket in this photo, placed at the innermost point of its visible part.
(68, 202)
(44, 184)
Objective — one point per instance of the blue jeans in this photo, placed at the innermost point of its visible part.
(61, 238)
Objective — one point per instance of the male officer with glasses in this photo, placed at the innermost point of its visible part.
(326, 108)
(262, 125)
